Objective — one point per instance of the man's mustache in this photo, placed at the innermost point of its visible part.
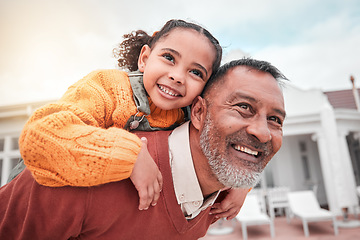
(241, 137)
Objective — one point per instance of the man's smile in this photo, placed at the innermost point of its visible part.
(246, 150)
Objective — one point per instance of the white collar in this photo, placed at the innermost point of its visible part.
(186, 185)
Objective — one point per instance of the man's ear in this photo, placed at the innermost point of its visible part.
(198, 112)
(143, 57)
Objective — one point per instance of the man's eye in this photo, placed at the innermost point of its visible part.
(168, 57)
(197, 73)
(276, 119)
(244, 106)
(245, 110)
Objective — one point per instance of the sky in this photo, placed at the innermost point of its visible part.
(45, 46)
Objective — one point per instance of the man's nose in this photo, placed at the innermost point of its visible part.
(259, 129)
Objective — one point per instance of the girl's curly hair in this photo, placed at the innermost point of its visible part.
(128, 51)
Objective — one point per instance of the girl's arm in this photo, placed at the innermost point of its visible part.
(74, 141)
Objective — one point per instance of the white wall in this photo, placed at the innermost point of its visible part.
(288, 169)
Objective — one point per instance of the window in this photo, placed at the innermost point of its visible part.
(12, 162)
(304, 160)
(2, 143)
(9, 156)
(302, 146)
(15, 143)
(306, 168)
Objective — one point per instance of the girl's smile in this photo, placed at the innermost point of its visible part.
(177, 67)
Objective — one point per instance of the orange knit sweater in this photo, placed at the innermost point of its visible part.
(79, 140)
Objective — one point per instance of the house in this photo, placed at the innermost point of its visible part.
(320, 147)
(12, 120)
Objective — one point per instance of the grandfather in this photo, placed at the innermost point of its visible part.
(235, 130)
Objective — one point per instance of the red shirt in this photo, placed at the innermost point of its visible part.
(110, 211)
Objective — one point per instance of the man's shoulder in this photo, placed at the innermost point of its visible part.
(158, 136)
(157, 141)
(158, 146)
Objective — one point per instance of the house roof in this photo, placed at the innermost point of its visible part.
(342, 98)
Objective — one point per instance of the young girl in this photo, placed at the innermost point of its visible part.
(83, 139)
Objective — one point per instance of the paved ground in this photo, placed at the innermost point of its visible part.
(287, 231)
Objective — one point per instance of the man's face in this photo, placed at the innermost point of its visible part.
(243, 127)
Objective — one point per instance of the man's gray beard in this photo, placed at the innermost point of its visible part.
(227, 174)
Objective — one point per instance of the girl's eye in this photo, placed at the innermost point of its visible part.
(197, 73)
(276, 119)
(168, 57)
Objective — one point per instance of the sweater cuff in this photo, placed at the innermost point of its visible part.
(125, 151)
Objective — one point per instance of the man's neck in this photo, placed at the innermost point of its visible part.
(207, 180)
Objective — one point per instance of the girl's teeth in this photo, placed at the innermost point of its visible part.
(167, 91)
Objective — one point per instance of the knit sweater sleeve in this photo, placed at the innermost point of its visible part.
(74, 141)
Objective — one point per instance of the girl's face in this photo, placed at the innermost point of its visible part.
(177, 67)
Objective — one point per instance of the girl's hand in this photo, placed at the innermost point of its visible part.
(231, 205)
(147, 178)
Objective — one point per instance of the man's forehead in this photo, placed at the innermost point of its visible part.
(246, 76)
(242, 70)
(254, 85)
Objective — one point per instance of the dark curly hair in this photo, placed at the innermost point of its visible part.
(128, 51)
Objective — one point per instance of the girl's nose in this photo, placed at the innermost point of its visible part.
(178, 76)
